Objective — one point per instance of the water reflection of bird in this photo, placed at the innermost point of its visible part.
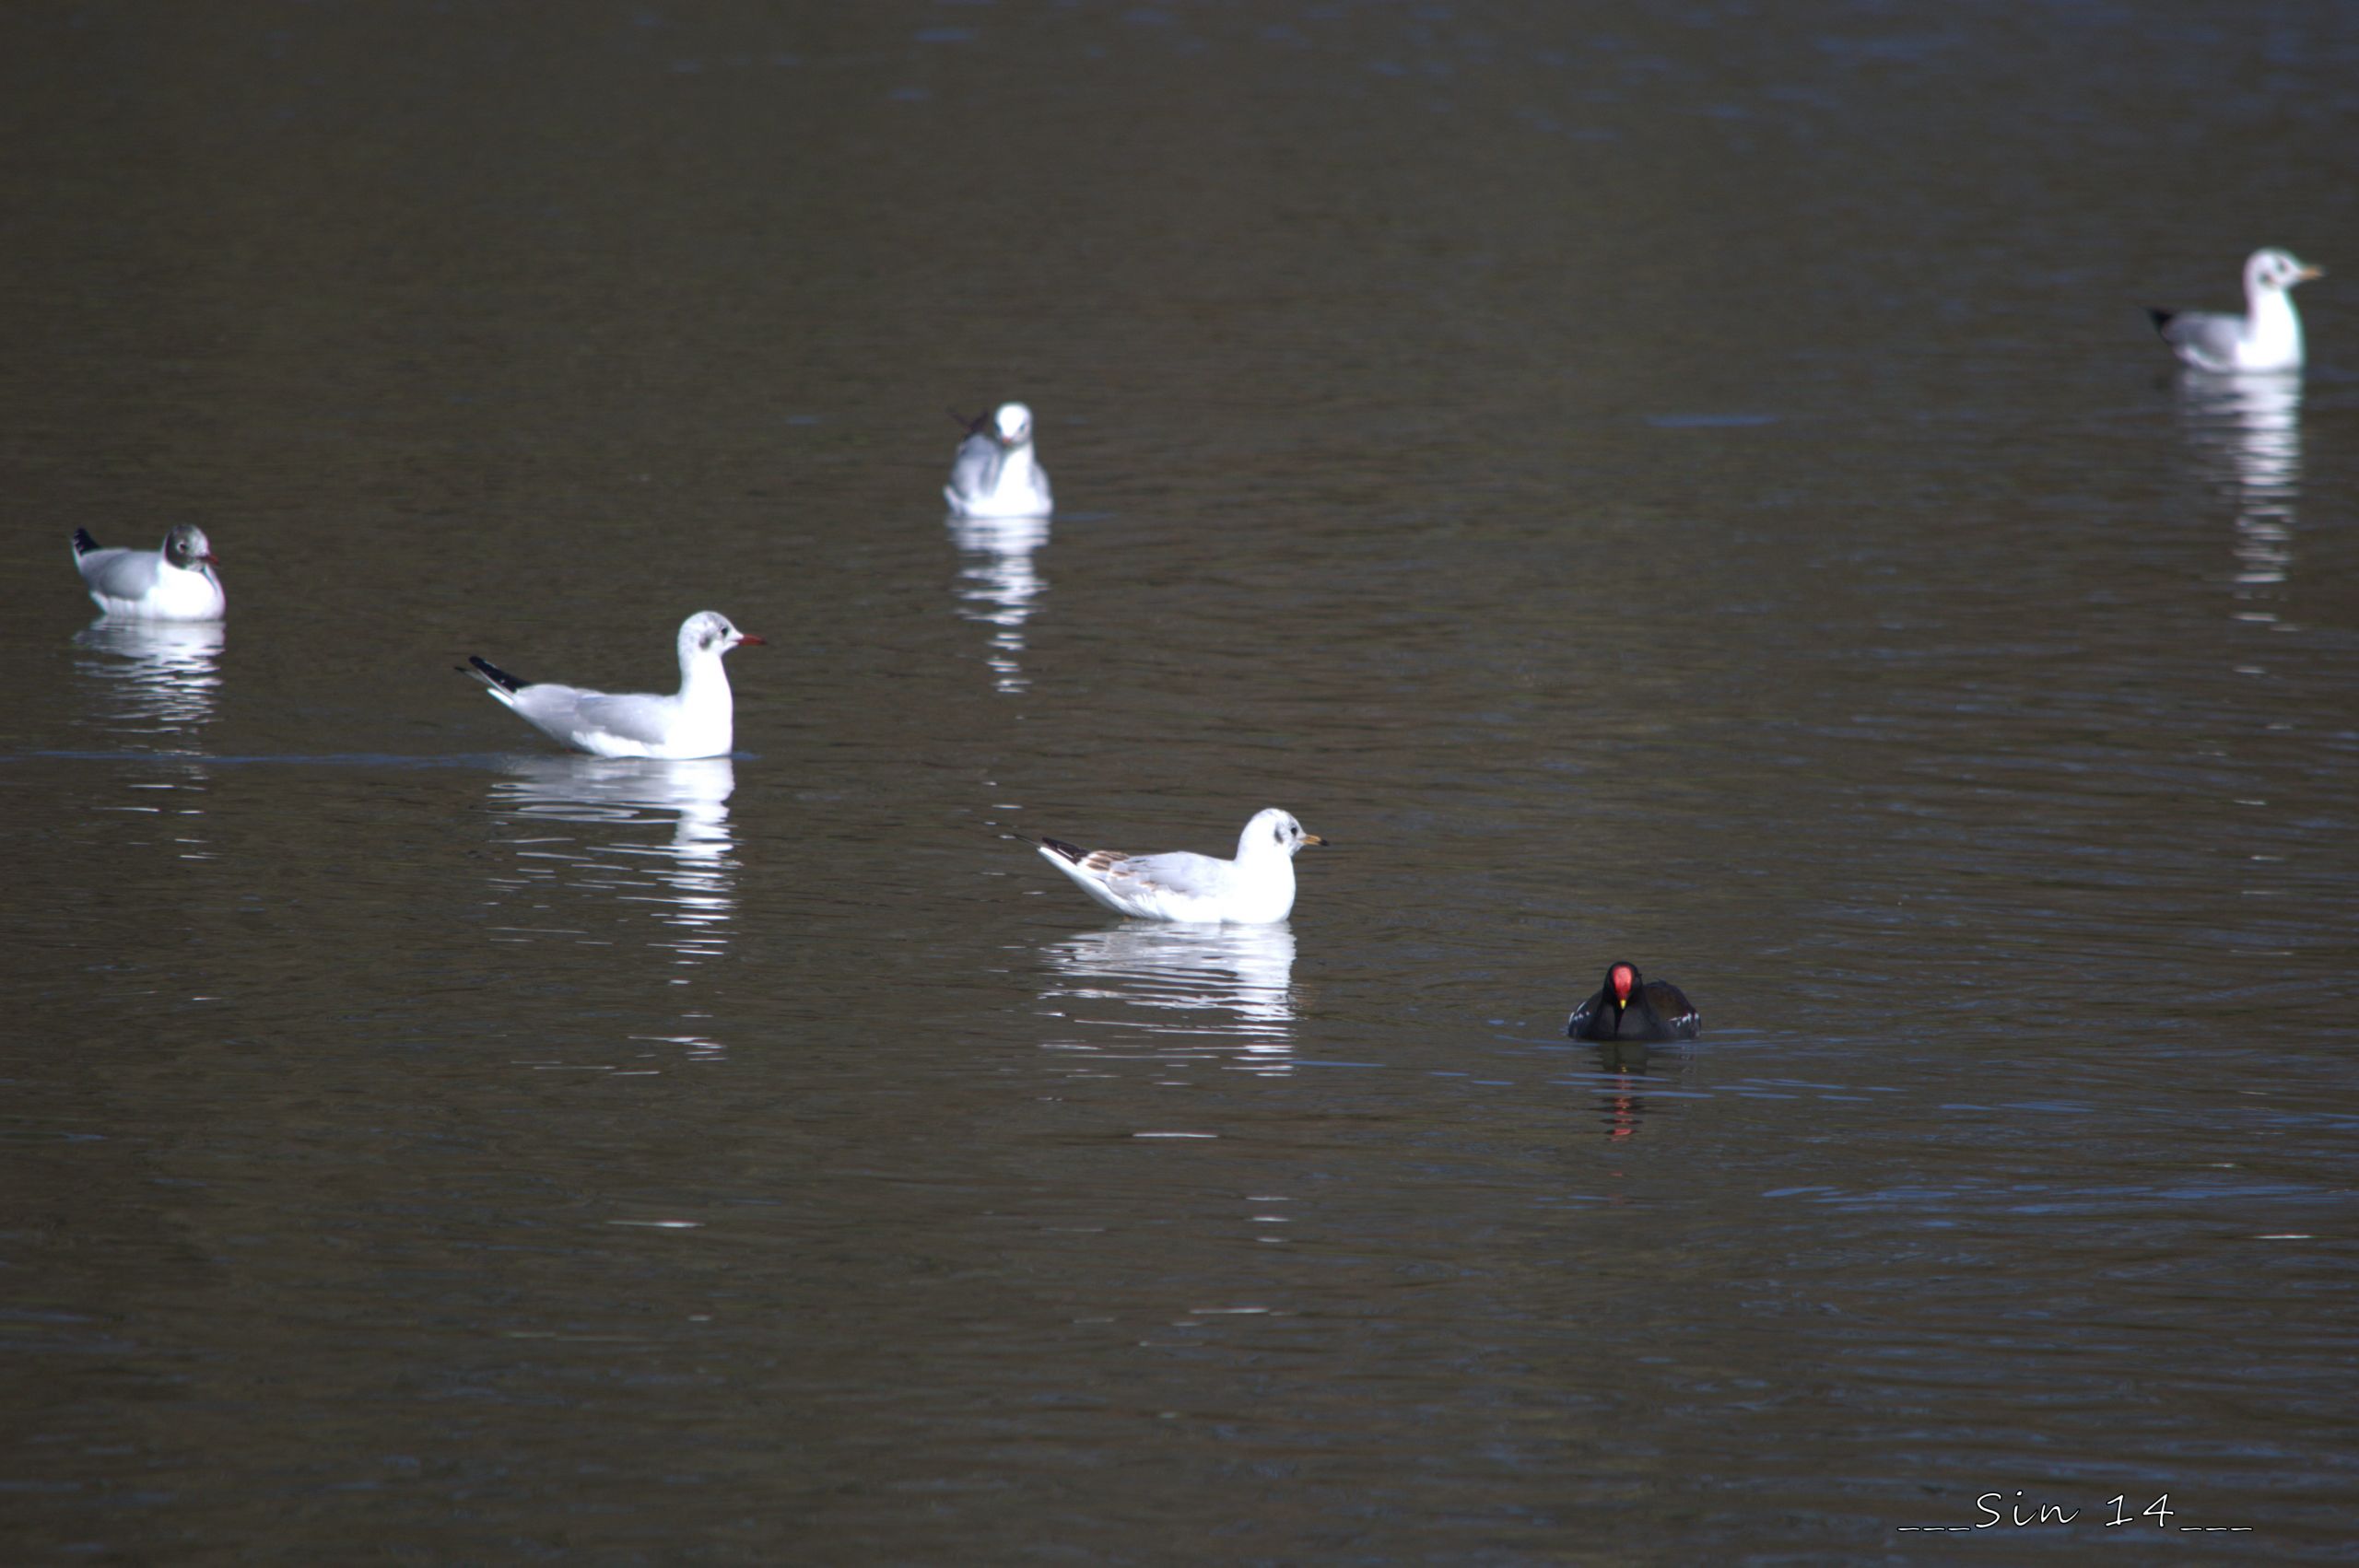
(996, 473)
(1628, 1007)
(998, 584)
(166, 674)
(1621, 1062)
(694, 873)
(2268, 336)
(1241, 976)
(2246, 431)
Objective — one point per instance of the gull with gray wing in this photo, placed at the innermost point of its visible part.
(2268, 336)
(175, 583)
(697, 721)
(996, 473)
(1255, 888)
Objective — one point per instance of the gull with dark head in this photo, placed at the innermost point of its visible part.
(996, 473)
(695, 722)
(1255, 888)
(2268, 336)
(175, 583)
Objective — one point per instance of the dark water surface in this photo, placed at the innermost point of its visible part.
(1686, 485)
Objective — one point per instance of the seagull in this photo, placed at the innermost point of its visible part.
(2268, 336)
(175, 583)
(1628, 1008)
(1256, 888)
(694, 723)
(995, 474)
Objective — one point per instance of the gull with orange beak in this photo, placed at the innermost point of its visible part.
(2268, 336)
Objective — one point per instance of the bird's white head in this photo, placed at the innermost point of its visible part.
(186, 546)
(2275, 269)
(708, 633)
(1274, 832)
(1012, 423)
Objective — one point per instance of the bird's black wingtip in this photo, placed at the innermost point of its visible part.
(83, 543)
(2159, 317)
(495, 675)
(1059, 847)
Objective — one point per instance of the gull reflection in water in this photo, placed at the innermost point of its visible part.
(2247, 432)
(997, 584)
(688, 880)
(163, 678)
(1179, 992)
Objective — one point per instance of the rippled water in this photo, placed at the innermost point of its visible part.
(1691, 486)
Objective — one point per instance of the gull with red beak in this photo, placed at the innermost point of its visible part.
(695, 722)
(175, 583)
(1629, 1008)
(996, 473)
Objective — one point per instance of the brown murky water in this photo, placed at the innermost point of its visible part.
(1687, 487)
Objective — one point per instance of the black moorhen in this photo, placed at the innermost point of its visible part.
(1629, 1008)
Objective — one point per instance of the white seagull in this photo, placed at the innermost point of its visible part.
(2268, 336)
(696, 722)
(1253, 889)
(996, 473)
(175, 583)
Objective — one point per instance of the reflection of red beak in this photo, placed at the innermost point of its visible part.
(749, 636)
